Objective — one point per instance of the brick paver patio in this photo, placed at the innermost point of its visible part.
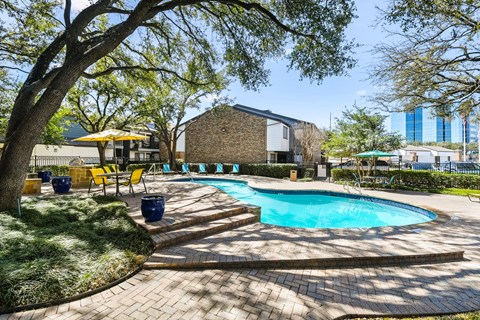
(289, 292)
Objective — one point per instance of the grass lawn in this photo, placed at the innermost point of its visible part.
(460, 316)
(67, 245)
(460, 192)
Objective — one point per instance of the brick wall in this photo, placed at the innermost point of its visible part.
(226, 136)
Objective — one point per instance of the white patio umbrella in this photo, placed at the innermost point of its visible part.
(112, 135)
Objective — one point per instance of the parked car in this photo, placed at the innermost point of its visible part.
(419, 166)
(351, 164)
(460, 167)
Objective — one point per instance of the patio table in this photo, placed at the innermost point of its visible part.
(116, 175)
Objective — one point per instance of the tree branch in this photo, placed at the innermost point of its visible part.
(153, 69)
(66, 13)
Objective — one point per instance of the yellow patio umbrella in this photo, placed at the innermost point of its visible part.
(112, 135)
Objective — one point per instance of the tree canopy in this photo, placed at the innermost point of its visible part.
(104, 103)
(433, 62)
(165, 103)
(54, 46)
(359, 130)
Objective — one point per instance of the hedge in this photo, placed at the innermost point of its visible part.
(420, 179)
(56, 170)
(277, 170)
(265, 170)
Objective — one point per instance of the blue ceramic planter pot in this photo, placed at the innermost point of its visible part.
(61, 184)
(44, 175)
(153, 207)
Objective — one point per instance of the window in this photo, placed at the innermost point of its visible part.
(285, 132)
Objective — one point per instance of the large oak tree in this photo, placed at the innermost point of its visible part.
(104, 103)
(55, 47)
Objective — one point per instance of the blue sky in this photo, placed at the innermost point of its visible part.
(289, 96)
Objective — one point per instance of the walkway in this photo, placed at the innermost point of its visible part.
(291, 290)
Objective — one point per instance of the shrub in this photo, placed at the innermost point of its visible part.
(308, 175)
(146, 166)
(56, 170)
(63, 246)
(420, 179)
(277, 170)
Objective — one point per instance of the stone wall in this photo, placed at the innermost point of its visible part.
(80, 176)
(32, 186)
(226, 136)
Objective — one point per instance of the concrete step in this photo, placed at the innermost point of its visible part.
(204, 229)
(239, 262)
(200, 216)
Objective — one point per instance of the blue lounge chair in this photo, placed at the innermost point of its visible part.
(185, 168)
(202, 168)
(236, 168)
(219, 168)
(166, 169)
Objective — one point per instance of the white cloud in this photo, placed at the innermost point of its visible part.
(361, 93)
(79, 5)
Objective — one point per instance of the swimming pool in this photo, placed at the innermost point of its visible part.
(321, 209)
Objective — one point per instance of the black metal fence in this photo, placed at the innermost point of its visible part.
(45, 161)
(448, 167)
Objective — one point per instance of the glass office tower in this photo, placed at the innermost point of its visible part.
(421, 126)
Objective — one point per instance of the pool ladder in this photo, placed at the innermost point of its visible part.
(355, 185)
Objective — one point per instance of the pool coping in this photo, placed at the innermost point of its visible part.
(454, 280)
(441, 216)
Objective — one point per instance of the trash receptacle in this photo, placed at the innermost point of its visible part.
(293, 175)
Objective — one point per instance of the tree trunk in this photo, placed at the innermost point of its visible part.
(12, 171)
(37, 108)
(172, 152)
(102, 146)
(23, 134)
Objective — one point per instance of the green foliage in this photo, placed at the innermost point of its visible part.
(420, 179)
(60, 247)
(61, 170)
(7, 96)
(241, 36)
(433, 62)
(56, 127)
(108, 102)
(459, 316)
(277, 170)
(308, 175)
(104, 103)
(165, 102)
(359, 130)
(146, 166)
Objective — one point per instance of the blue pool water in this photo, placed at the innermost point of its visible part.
(317, 209)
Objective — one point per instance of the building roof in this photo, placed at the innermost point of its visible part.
(438, 149)
(426, 148)
(413, 148)
(267, 114)
(261, 113)
(74, 131)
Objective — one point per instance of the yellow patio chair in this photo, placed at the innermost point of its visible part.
(135, 178)
(99, 181)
